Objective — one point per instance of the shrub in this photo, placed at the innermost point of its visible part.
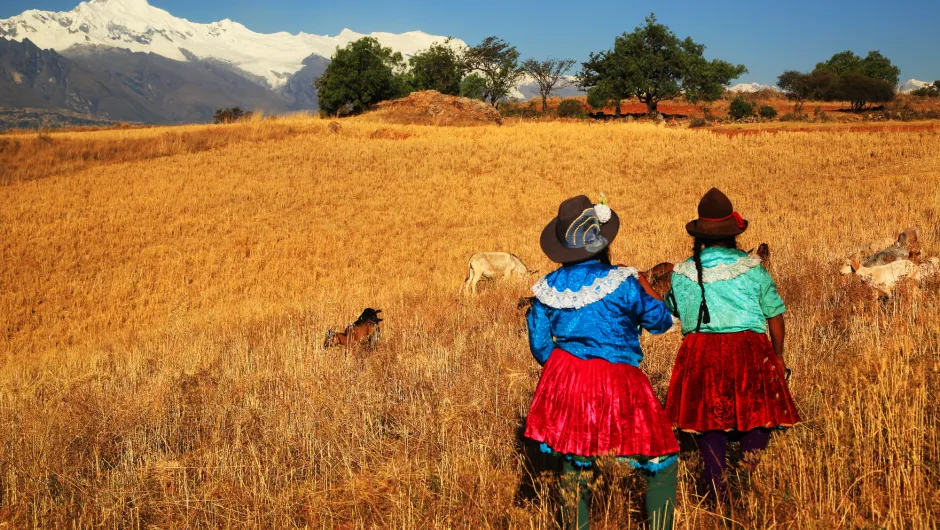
(740, 109)
(794, 116)
(902, 111)
(231, 115)
(767, 112)
(571, 108)
(698, 121)
(513, 109)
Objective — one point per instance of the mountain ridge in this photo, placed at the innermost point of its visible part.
(140, 27)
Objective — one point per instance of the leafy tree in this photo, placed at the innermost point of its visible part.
(860, 89)
(874, 65)
(498, 63)
(841, 63)
(359, 76)
(548, 74)
(604, 80)
(880, 67)
(707, 80)
(799, 87)
(653, 64)
(440, 68)
(473, 86)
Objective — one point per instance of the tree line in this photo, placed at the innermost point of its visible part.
(651, 64)
(844, 77)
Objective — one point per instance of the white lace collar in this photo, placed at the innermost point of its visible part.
(588, 294)
(718, 273)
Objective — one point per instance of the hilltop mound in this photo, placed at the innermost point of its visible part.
(430, 107)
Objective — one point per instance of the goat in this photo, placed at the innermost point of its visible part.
(366, 330)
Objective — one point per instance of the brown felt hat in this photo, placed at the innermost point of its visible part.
(578, 233)
(716, 218)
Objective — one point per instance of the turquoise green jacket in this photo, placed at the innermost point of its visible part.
(740, 293)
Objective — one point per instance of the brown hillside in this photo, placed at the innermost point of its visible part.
(430, 107)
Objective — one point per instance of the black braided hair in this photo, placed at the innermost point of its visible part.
(703, 316)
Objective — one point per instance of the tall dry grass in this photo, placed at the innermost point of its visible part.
(161, 322)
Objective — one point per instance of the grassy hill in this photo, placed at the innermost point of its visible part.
(164, 294)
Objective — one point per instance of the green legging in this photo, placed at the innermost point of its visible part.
(660, 496)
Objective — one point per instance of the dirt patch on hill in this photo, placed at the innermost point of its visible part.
(430, 107)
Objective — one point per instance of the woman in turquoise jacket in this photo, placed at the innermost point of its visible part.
(728, 378)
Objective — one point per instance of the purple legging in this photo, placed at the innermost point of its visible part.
(713, 446)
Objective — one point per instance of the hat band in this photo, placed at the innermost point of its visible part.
(737, 219)
(585, 232)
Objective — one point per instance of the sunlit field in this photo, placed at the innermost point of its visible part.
(164, 295)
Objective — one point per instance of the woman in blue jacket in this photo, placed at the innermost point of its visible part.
(584, 327)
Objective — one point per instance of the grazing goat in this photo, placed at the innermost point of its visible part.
(885, 277)
(366, 330)
(892, 263)
(491, 265)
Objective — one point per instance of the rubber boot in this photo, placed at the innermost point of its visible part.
(575, 483)
(661, 497)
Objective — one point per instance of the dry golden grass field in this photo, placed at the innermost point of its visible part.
(164, 295)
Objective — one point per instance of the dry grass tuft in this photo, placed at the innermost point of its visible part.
(162, 313)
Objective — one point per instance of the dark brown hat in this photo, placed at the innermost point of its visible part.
(579, 232)
(716, 218)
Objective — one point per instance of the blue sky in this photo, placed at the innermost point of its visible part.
(767, 37)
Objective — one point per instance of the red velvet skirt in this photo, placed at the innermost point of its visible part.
(598, 408)
(729, 381)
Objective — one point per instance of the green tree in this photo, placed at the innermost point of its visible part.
(359, 76)
(841, 63)
(605, 80)
(880, 67)
(498, 63)
(440, 68)
(707, 80)
(473, 86)
(548, 74)
(799, 87)
(653, 64)
(874, 65)
(860, 90)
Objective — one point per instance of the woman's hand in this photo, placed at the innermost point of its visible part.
(648, 288)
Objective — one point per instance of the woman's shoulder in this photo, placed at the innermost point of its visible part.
(569, 290)
(719, 272)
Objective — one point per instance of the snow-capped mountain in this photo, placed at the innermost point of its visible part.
(911, 85)
(139, 27)
(750, 87)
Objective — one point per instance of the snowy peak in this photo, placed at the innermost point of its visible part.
(911, 85)
(140, 27)
(750, 87)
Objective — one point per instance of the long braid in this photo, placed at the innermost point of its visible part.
(703, 316)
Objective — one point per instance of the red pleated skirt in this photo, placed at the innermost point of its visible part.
(729, 381)
(598, 408)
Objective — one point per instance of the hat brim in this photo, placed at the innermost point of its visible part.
(559, 253)
(713, 230)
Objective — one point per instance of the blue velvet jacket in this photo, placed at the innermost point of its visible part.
(593, 311)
